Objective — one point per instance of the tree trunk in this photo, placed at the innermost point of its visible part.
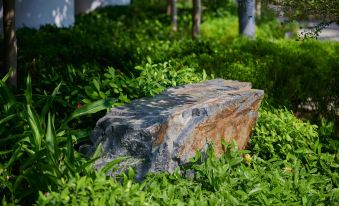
(258, 8)
(173, 12)
(168, 11)
(10, 40)
(196, 17)
(246, 13)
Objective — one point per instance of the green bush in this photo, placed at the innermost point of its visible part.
(95, 190)
(290, 72)
(279, 133)
(152, 79)
(35, 152)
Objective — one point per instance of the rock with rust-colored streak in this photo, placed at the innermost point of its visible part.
(165, 131)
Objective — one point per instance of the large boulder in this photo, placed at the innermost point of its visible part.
(166, 130)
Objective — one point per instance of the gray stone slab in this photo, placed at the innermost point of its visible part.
(166, 130)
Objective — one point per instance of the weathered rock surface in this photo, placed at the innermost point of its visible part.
(166, 130)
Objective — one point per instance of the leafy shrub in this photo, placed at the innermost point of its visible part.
(279, 133)
(152, 79)
(95, 190)
(290, 72)
(34, 152)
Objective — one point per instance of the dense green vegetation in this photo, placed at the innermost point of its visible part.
(115, 55)
(290, 71)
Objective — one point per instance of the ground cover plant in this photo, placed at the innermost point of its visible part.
(70, 77)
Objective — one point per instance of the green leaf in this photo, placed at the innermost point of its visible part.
(50, 101)
(4, 202)
(304, 200)
(8, 118)
(235, 161)
(81, 134)
(95, 156)
(70, 149)
(231, 198)
(204, 75)
(50, 135)
(11, 137)
(5, 152)
(96, 84)
(304, 150)
(113, 163)
(19, 180)
(255, 190)
(92, 108)
(7, 96)
(32, 158)
(6, 77)
(35, 126)
(28, 91)
(70, 166)
(97, 152)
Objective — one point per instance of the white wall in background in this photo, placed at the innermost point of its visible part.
(85, 6)
(34, 13)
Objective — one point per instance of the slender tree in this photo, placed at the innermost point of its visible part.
(196, 17)
(246, 13)
(258, 8)
(168, 11)
(10, 40)
(172, 11)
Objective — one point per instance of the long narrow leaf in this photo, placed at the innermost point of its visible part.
(50, 135)
(97, 152)
(6, 119)
(86, 165)
(113, 163)
(96, 156)
(18, 181)
(6, 96)
(50, 101)
(70, 167)
(35, 126)
(92, 108)
(28, 91)
(6, 77)
(16, 155)
(81, 134)
(16, 136)
(70, 149)
(5, 152)
(54, 163)
(37, 156)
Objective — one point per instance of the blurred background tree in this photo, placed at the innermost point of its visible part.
(321, 12)
(10, 48)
